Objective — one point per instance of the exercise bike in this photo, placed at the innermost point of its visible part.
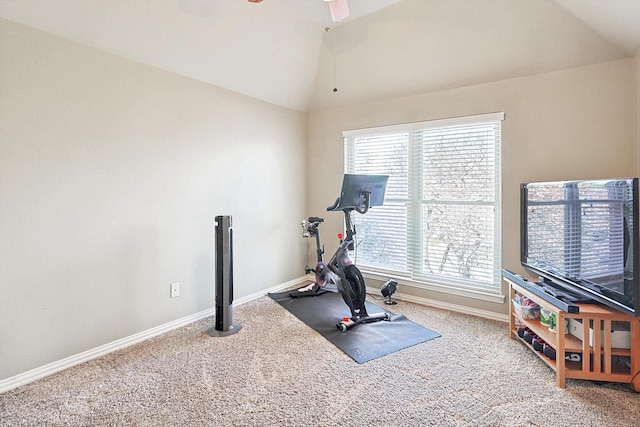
(359, 193)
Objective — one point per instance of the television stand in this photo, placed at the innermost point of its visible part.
(556, 298)
(599, 361)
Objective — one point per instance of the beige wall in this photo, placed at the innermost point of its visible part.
(111, 174)
(571, 124)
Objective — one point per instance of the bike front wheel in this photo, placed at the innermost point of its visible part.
(358, 291)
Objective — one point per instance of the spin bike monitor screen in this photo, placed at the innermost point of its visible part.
(354, 187)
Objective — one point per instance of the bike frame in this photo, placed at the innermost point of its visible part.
(341, 264)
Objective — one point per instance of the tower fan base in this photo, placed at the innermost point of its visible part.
(233, 329)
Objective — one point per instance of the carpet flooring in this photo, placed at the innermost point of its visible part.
(277, 371)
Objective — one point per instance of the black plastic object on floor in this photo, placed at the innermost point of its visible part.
(365, 342)
(224, 279)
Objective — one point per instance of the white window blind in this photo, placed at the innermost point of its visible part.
(440, 222)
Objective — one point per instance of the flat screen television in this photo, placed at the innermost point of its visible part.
(582, 237)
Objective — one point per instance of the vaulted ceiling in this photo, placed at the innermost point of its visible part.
(280, 51)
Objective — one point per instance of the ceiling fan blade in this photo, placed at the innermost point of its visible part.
(339, 9)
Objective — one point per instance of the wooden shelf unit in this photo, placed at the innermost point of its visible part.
(597, 360)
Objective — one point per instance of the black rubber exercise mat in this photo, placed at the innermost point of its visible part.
(362, 342)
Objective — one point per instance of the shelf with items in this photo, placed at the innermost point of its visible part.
(591, 359)
(572, 345)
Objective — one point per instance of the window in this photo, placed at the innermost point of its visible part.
(440, 223)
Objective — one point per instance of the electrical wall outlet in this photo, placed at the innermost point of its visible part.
(175, 289)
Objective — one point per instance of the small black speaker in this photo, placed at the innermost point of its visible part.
(388, 289)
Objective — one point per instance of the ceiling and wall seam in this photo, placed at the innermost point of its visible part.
(277, 51)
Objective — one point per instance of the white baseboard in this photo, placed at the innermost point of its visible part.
(46, 370)
(43, 371)
(445, 306)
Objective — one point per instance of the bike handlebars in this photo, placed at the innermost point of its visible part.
(335, 205)
(367, 200)
(363, 209)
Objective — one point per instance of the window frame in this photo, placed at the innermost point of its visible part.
(491, 292)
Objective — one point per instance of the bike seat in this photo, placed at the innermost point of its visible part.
(313, 219)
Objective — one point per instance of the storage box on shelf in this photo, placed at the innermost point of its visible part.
(527, 312)
(620, 333)
(594, 359)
